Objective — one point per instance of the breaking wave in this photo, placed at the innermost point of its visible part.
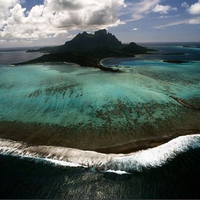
(117, 163)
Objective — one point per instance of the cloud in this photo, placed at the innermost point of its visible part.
(191, 21)
(195, 8)
(194, 21)
(85, 14)
(2, 41)
(176, 23)
(56, 17)
(135, 29)
(163, 9)
(140, 9)
(4, 10)
(169, 16)
(66, 5)
(185, 5)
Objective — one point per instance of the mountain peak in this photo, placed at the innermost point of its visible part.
(100, 32)
(87, 42)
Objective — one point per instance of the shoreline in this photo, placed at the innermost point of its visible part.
(97, 65)
(38, 134)
(143, 144)
(119, 163)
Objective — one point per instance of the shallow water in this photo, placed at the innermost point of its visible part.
(37, 93)
(135, 104)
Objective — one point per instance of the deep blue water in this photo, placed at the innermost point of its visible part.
(29, 178)
(20, 178)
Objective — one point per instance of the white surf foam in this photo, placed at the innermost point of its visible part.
(155, 157)
(115, 163)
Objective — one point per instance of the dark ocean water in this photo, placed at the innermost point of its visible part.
(179, 177)
(26, 178)
(15, 55)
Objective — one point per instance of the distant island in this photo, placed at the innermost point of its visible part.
(176, 61)
(192, 46)
(88, 50)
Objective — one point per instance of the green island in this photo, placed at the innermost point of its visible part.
(88, 50)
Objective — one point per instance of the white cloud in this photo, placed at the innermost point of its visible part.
(176, 23)
(194, 21)
(4, 10)
(2, 41)
(195, 8)
(191, 21)
(17, 15)
(185, 5)
(140, 9)
(56, 17)
(169, 16)
(88, 13)
(163, 9)
(135, 29)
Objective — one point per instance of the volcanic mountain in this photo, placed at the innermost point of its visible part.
(88, 49)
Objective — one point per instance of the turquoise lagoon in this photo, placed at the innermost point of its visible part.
(136, 102)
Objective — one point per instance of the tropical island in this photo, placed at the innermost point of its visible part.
(87, 49)
(141, 126)
(176, 61)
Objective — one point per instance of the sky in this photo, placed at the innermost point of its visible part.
(53, 22)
